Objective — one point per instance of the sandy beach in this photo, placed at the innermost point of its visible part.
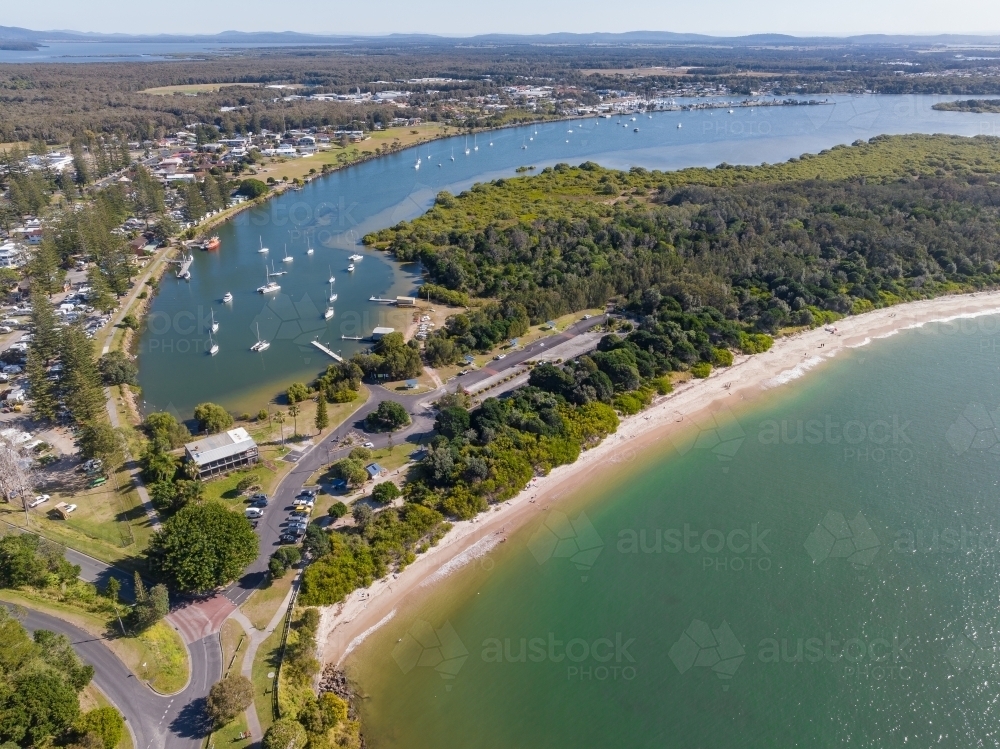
(701, 403)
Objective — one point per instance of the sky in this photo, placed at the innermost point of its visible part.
(468, 17)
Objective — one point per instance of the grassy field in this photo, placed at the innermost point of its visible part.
(234, 643)
(160, 648)
(194, 88)
(401, 137)
(92, 698)
(108, 524)
(264, 602)
(228, 737)
(265, 663)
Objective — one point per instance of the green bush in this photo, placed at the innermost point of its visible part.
(722, 357)
(337, 510)
(701, 369)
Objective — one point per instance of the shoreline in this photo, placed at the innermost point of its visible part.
(344, 626)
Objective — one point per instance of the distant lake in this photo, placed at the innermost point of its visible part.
(333, 213)
(124, 51)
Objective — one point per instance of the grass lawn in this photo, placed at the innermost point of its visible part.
(266, 663)
(193, 88)
(160, 648)
(234, 642)
(108, 524)
(92, 698)
(264, 602)
(229, 735)
(335, 155)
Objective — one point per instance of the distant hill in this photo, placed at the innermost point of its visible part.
(10, 34)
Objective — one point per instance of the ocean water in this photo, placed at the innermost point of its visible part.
(819, 567)
(333, 213)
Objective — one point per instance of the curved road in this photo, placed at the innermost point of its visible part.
(155, 720)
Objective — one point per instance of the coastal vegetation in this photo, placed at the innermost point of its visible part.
(978, 106)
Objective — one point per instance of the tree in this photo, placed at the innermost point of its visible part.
(212, 418)
(202, 547)
(117, 368)
(385, 492)
(285, 733)
(297, 392)
(351, 470)
(16, 473)
(452, 422)
(81, 381)
(163, 428)
(228, 698)
(37, 707)
(44, 270)
(316, 542)
(282, 560)
(337, 510)
(362, 514)
(152, 607)
(294, 411)
(113, 590)
(252, 188)
(322, 418)
(389, 416)
(105, 722)
(104, 442)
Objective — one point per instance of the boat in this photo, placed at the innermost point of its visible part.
(328, 314)
(260, 345)
(523, 144)
(606, 116)
(351, 338)
(439, 165)
(333, 297)
(350, 268)
(569, 131)
(227, 297)
(678, 126)
(466, 145)
(475, 146)
(491, 144)
(276, 272)
(214, 243)
(633, 119)
(635, 130)
(730, 111)
(269, 286)
(356, 256)
(214, 327)
(262, 247)
(309, 249)
(213, 347)
(332, 279)
(453, 153)
(288, 258)
(417, 165)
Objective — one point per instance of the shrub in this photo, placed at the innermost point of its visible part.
(212, 418)
(337, 510)
(228, 698)
(247, 482)
(722, 357)
(663, 385)
(388, 417)
(701, 369)
(385, 492)
(285, 733)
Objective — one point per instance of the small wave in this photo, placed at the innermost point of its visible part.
(794, 373)
(890, 334)
(361, 638)
(481, 548)
(859, 345)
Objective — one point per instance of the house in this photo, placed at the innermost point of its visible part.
(379, 333)
(10, 256)
(222, 453)
(374, 470)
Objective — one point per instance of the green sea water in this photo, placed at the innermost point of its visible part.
(820, 567)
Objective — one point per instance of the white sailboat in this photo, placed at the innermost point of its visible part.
(213, 347)
(466, 145)
(356, 257)
(288, 258)
(417, 165)
(350, 268)
(309, 249)
(262, 249)
(333, 297)
(679, 126)
(328, 314)
(475, 146)
(260, 345)
(227, 297)
(276, 272)
(214, 326)
(453, 153)
(332, 279)
(269, 286)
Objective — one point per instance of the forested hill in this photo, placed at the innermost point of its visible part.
(771, 246)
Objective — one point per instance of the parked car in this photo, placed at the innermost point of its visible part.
(259, 497)
(68, 509)
(311, 492)
(369, 445)
(498, 357)
(254, 512)
(288, 538)
(40, 499)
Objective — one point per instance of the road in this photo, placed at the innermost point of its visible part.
(155, 720)
(271, 526)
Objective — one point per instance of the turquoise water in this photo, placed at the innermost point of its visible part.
(333, 213)
(838, 589)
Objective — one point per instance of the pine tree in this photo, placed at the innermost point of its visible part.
(195, 203)
(46, 274)
(45, 405)
(322, 419)
(81, 378)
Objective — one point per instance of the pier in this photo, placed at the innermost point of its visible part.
(327, 351)
(185, 263)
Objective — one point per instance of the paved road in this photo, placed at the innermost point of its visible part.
(156, 721)
(273, 523)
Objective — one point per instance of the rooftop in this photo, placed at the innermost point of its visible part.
(219, 446)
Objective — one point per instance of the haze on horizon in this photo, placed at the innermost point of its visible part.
(451, 17)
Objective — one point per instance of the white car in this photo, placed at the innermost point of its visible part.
(587, 317)
(68, 509)
(40, 499)
(498, 357)
(253, 513)
(369, 445)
